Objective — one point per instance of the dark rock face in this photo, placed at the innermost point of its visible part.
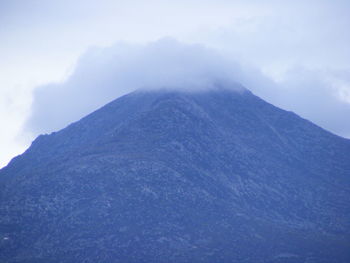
(162, 176)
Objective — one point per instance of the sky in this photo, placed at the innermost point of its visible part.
(60, 59)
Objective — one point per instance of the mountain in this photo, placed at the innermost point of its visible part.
(171, 176)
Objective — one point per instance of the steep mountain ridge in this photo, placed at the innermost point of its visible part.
(168, 176)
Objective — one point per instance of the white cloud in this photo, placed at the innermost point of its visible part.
(103, 74)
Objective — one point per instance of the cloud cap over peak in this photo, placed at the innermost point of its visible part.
(102, 74)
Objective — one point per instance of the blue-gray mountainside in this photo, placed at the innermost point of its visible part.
(168, 176)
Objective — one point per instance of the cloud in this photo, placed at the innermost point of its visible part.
(103, 74)
(45, 38)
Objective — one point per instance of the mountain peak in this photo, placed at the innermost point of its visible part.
(216, 175)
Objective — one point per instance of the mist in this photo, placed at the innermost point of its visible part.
(104, 74)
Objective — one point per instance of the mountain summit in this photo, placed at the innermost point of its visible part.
(170, 176)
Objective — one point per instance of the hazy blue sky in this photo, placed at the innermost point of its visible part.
(294, 54)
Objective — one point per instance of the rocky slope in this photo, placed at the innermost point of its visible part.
(169, 176)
